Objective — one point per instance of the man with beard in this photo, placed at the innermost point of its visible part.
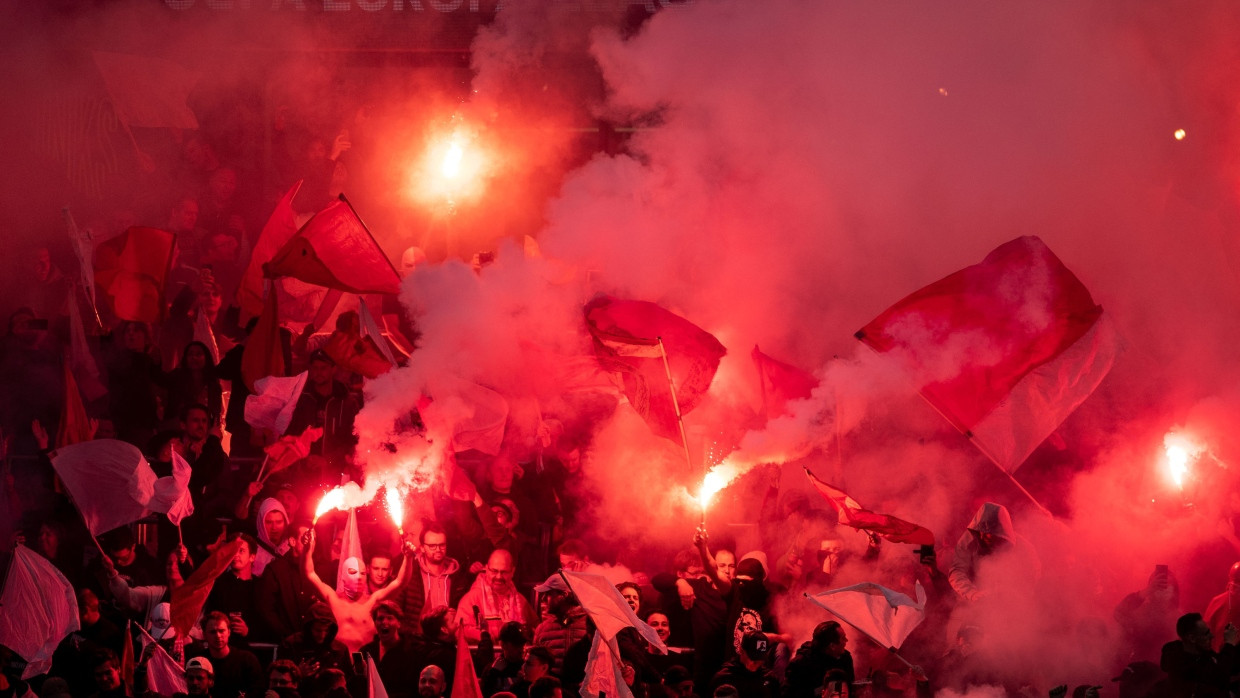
(199, 677)
(495, 598)
(352, 609)
(989, 537)
(272, 525)
(393, 654)
(235, 591)
(431, 682)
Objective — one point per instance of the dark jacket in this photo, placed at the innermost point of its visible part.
(807, 669)
(284, 596)
(750, 684)
(397, 667)
(334, 413)
(330, 654)
(1200, 675)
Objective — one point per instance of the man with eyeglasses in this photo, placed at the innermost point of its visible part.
(1192, 666)
(437, 579)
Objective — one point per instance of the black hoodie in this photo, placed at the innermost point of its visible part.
(331, 654)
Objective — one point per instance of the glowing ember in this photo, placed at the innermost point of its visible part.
(1179, 134)
(332, 500)
(396, 508)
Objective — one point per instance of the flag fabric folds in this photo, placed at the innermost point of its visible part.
(38, 609)
(84, 246)
(350, 548)
(273, 402)
(370, 329)
(607, 608)
(603, 673)
(134, 279)
(854, 515)
(287, 450)
(1004, 349)
(110, 482)
(148, 92)
(188, 599)
(626, 341)
(465, 680)
(74, 422)
(374, 684)
(163, 674)
(280, 227)
(203, 333)
(128, 665)
(780, 383)
(264, 350)
(81, 360)
(172, 496)
(334, 249)
(886, 616)
(475, 415)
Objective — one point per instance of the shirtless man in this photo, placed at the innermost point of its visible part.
(352, 608)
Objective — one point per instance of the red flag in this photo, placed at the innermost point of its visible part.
(1004, 349)
(264, 351)
(781, 383)
(280, 227)
(290, 449)
(334, 249)
(74, 424)
(128, 665)
(356, 354)
(188, 599)
(626, 341)
(146, 91)
(135, 278)
(465, 681)
(854, 515)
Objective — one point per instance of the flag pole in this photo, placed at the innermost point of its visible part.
(680, 422)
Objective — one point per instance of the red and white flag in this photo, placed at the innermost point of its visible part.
(280, 227)
(599, 598)
(852, 514)
(334, 249)
(38, 609)
(626, 341)
(1004, 349)
(886, 616)
(287, 450)
(110, 482)
(604, 675)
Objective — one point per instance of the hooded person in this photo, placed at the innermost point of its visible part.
(824, 653)
(990, 540)
(273, 535)
(315, 644)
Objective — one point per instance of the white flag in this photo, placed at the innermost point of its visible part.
(371, 329)
(163, 674)
(607, 608)
(172, 495)
(886, 616)
(37, 610)
(110, 482)
(351, 574)
(203, 333)
(274, 399)
(376, 690)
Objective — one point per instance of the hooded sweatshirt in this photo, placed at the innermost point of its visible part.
(265, 555)
(330, 654)
(994, 519)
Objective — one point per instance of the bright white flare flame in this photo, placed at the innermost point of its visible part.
(334, 499)
(1180, 133)
(1181, 452)
(395, 507)
(452, 159)
(716, 479)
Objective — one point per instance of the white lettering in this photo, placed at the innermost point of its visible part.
(372, 5)
(336, 6)
(415, 5)
(449, 6)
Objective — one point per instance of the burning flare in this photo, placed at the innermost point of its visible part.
(452, 159)
(396, 508)
(334, 499)
(1181, 452)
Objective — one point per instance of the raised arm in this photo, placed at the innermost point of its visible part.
(307, 567)
(406, 573)
(700, 539)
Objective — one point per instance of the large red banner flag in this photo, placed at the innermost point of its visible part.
(626, 341)
(279, 228)
(1004, 349)
(334, 249)
(188, 599)
(134, 279)
(856, 516)
(781, 383)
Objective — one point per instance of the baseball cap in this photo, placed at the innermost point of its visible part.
(200, 663)
(755, 645)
